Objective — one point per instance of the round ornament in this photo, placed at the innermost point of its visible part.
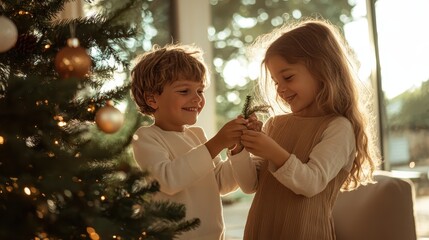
(8, 34)
(72, 60)
(109, 119)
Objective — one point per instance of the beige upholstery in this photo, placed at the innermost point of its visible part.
(381, 211)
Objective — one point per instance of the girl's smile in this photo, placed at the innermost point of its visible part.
(295, 85)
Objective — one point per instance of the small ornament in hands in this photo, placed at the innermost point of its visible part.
(248, 109)
(109, 119)
(72, 60)
(8, 34)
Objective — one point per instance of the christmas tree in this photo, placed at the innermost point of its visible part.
(66, 170)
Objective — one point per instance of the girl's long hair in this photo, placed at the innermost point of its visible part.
(320, 47)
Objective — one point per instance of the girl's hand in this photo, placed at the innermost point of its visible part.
(253, 123)
(259, 144)
(237, 148)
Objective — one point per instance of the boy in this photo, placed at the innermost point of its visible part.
(168, 84)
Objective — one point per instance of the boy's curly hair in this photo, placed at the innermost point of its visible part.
(164, 65)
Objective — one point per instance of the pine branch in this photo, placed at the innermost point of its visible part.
(166, 230)
(188, 225)
(248, 109)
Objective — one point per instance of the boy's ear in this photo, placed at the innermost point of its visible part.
(150, 100)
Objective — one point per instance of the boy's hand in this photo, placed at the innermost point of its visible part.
(237, 148)
(227, 137)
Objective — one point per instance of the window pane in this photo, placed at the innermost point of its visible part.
(404, 59)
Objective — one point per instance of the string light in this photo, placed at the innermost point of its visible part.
(91, 108)
(58, 118)
(42, 210)
(51, 205)
(41, 102)
(92, 233)
(143, 236)
(1, 140)
(41, 236)
(76, 179)
(68, 193)
(22, 12)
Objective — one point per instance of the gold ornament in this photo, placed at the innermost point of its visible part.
(72, 61)
(109, 119)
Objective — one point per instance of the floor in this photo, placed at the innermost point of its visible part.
(235, 215)
(421, 207)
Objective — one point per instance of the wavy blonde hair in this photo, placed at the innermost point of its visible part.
(321, 48)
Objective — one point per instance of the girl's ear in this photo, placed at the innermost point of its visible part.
(150, 100)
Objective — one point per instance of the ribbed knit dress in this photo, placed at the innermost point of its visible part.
(276, 211)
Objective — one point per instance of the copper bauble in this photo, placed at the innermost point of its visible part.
(72, 60)
(109, 119)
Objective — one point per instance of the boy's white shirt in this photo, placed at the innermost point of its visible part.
(187, 174)
(336, 151)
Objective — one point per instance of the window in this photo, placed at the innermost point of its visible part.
(404, 60)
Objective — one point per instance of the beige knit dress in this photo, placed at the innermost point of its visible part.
(276, 211)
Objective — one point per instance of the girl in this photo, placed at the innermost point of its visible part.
(305, 157)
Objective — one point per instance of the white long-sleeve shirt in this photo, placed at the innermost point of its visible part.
(187, 174)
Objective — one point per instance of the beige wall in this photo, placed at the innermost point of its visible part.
(72, 10)
(193, 19)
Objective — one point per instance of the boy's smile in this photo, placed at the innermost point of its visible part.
(179, 104)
